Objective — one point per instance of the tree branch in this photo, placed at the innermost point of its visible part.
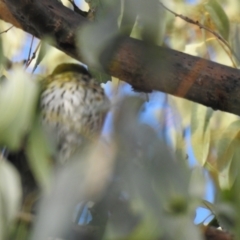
(46, 18)
(157, 68)
(212, 233)
(6, 15)
(145, 67)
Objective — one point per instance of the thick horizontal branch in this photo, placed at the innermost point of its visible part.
(212, 233)
(156, 68)
(6, 15)
(45, 18)
(145, 67)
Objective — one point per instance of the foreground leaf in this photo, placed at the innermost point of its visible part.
(18, 99)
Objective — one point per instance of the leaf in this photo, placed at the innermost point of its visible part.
(228, 136)
(197, 183)
(195, 49)
(44, 48)
(219, 17)
(224, 212)
(39, 153)
(152, 19)
(18, 99)
(200, 130)
(235, 40)
(183, 108)
(100, 76)
(147, 166)
(129, 16)
(234, 164)
(227, 152)
(85, 177)
(104, 31)
(10, 195)
(4, 61)
(176, 129)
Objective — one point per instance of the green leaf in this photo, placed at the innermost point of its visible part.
(176, 130)
(148, 170)
(100, 76)
(224, 212)
(235, 41)
(152, 18)
(94, 38)
(128, 17)
(2, 57)
(39, 153)
(18, 99)
(44, 48)
(234, 163)
(227, 138)
(10, 195)
(200, 130)
(219, 17)
(197, 183)
(227, 153)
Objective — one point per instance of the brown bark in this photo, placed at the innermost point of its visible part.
(176, 73)
(212, 233)
(6, 15)
(146, 67)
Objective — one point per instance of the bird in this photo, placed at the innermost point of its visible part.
(73, 108)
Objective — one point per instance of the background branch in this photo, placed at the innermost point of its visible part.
(141, 65)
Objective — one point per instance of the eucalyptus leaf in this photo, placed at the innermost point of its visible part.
(84, 178)
(18, 99)
(200, 130)
(225, 145)
(234, 164)
(235, 40)
(224, 213)
(152, 19)
(10, 195)
(44, 49)
(227, 149)
(105, 30)
(39, 154)
(197, 186)
(219, 17)
(128, 16)
(100, 76)
(146, 166)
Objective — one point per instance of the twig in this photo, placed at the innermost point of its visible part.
(201, 26)
(5, 31)
(33, 55)
(30, 50)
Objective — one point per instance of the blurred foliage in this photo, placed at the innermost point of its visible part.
(18, 98)
(218, 17)
(10, 195)
(139, 176)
